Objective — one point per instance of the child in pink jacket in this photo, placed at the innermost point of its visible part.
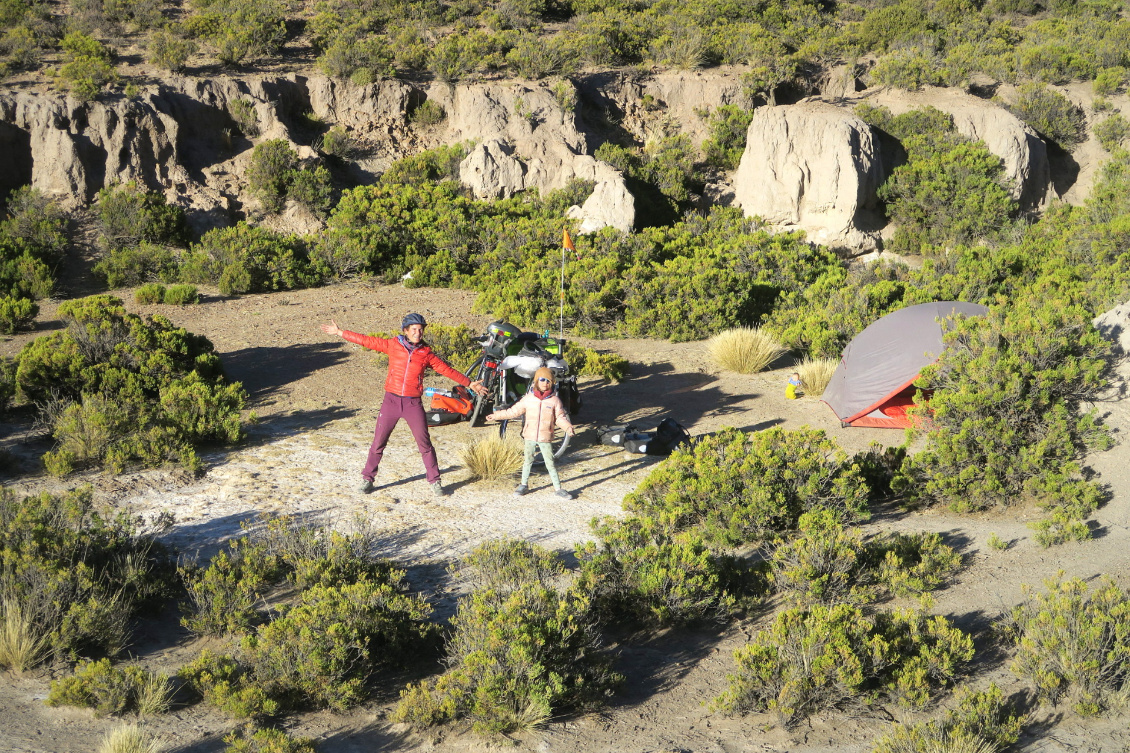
(543, 411)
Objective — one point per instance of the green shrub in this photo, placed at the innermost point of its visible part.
(1005, 422)
(1071, 643)
(914, 563)
(77, 574)
(427, 114)
(981, 721)
(181, 295)
(909, 69)
(463, 53)
(136, 264)
(170, 51)
(268, 175)
(142, 390)
(588, 362)
(536, 57)
(312, 188)
(266, 740)
(35, 225)
(226, 685)
(128, 215)
(150, 293)
(726, 143)
(108, 689)
(364, 59)
(831, 657)
(239, 30)
(643, 571)
(249, 259)
(743, 487)
(16, 314)
(315, 555)
(338, 143)
(520, 651)
(242, 111)
(1112, 131)
(321, 652)
(88, 65)
(1109, 81)
(1051, 114)
(223, 597)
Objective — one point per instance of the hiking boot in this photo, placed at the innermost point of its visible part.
(368, 487)
(522, 489)
(564, 494)
(438, 490)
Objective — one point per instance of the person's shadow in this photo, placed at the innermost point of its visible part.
(265, 369)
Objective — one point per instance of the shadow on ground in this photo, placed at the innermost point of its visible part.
(264, 370)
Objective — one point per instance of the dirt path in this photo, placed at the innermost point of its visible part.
(316, 399)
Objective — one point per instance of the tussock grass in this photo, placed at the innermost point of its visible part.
(931, 739)
(492, 459)
(20, 645)
(746, 350)
(154, 694)
(129, 738)
(816, 373)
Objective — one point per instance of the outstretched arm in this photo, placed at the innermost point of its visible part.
(331, 328)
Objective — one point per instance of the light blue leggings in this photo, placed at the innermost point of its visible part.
(547, 455)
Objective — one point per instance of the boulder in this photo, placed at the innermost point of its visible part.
(610, 205)
(491, 172)
(814, 167)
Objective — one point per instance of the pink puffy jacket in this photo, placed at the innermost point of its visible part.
(542, 415)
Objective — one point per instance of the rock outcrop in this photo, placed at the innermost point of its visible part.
(814, 167)
(1024, 154)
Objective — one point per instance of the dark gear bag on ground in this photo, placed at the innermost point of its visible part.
(613, 435)
(669, 435)
(640, 442)
(443, 417)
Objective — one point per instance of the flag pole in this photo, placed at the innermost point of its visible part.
(566, 245)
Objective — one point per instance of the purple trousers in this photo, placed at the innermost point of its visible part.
(411, 409)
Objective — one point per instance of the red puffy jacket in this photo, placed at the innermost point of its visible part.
(406, 367)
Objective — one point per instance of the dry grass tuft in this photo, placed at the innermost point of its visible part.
(154, 694)
(20, 646)
(492, 459)
(816, 373)
(129, 738)
(746, 350)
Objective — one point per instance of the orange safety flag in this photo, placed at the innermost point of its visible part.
(567, 242)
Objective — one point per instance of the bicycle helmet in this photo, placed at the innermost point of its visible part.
(413, 319)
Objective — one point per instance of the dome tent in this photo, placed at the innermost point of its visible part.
(872, 386)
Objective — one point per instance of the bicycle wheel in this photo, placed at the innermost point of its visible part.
(559, 443)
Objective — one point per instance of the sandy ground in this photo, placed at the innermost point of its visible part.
(316, 400)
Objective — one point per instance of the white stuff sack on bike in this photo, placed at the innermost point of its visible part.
(523, 365)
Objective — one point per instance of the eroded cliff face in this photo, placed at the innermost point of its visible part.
(813, 165)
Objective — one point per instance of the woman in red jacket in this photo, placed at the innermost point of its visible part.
(408, 358)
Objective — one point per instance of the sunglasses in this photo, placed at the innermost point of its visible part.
(542, 379)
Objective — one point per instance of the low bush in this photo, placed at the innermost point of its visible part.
(1071, 643)
(266, 740)
(150, 293)
(982, 723)
(169, 50)
(242, 112)
(16, 314)
(225, 684)
(743, 487)
(588, 362)
(1006, 423)
(363, 59)
(136, 264)
(268, 176)
(815, 373)
(181, 295)
(88, 65)
(1109, 81)
(492, 459)
(725, 145)
(128, 215)
(133, 389)
(828, 564)
(75, 576)
(321, 652)
(224, 597)
(643, 571)
(338, 143)
(427, 114)
(520, 651)
(35, 225)
(249, 259)
(1112, 131)
(112, 689)
(745, 350)
(1051, 114)
(238, 30)
(836, 656)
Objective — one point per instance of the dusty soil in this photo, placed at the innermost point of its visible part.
(316, 400)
